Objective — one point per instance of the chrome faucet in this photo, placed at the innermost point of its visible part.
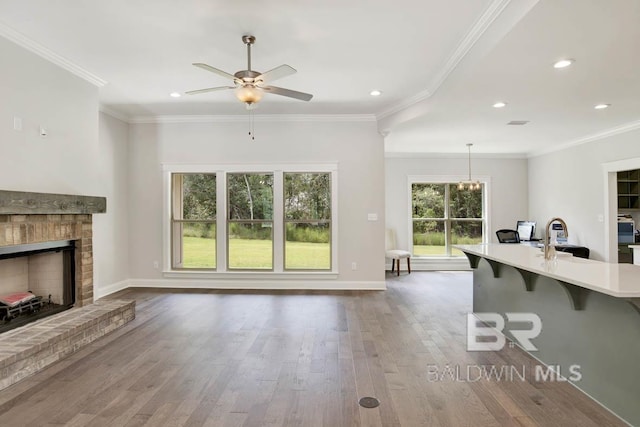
(548, 253)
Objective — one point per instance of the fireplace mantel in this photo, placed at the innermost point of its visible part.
(25, 203)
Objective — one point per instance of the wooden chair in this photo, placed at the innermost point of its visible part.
(396, 254)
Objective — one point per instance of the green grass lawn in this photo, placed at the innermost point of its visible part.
(432, 250)
(246, 253)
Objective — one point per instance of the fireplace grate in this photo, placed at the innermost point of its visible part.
(33, 305)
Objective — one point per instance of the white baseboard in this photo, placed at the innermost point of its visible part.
(434, 264)
(103, 291)
(258, 284)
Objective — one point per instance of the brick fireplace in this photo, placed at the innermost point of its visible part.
(35, 218)
(26, 229)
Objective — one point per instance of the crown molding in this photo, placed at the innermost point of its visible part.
(113, 113)
(473, 35)
(628, 127)
(256, 118)
(425, 155)
(462, 49)
(49, 55)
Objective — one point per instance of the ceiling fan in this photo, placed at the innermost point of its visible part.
(250, 84)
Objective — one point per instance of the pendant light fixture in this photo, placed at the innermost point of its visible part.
(468, 183)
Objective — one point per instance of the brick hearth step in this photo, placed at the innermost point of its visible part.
(31, 348)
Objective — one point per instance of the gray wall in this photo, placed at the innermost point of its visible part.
(356, 147)
(570, 184)
(72, 159)
(508, 201)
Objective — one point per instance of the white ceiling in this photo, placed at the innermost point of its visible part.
(441, 64)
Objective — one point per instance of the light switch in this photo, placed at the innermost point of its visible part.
(17, 123)
(372, 217)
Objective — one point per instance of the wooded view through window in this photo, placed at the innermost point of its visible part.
(443, 215)
(194, 220)
(304, 222)
(250, 220)
(307, 212)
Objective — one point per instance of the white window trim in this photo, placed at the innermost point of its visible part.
(221, 171)
(448, 179)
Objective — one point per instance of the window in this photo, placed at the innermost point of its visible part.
(250, 221)
(443, 215)
(250, 218)
(307, 217)
(194, 221)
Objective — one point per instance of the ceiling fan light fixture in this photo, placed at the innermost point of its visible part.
(175, 94)
(249, 94)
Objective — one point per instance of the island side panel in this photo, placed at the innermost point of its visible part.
(603, 338)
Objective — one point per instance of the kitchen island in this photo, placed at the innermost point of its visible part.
(590, 314)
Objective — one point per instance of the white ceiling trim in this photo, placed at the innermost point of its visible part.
(473, 35)
(256, 118)
(628, 127)
(421, 155)
(482, 24)
(49, 55)
(113, 113)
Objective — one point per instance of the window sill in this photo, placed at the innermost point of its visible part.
(253, 275)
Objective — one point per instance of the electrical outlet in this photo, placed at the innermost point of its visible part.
(354, 266)
(156, 264)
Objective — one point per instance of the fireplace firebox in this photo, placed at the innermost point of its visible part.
(37, 280)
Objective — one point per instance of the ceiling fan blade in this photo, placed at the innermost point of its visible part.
(214, 70)
(287, 92)
(209, 89)
(277, 73)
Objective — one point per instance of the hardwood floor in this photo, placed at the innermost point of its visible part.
(250, 358)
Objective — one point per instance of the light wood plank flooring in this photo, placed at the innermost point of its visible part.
(250, 358)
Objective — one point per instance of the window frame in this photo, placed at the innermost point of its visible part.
(286, 221)
(453, 180)
(221, 171)
(229, 221)
(177, 245)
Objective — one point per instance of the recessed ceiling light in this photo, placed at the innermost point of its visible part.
(602, 106)
(563, 63)
(175, 94)
(499, 104)
(375, 93)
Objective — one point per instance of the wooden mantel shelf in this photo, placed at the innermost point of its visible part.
(25, 203)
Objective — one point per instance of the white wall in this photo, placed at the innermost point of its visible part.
(111, 231)
(356, 147)
(71, 159)
(570, 184)
(508, 193)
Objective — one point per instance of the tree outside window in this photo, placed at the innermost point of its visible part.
(307, 212)
(250, 221)
(442, 216)
(194, 221)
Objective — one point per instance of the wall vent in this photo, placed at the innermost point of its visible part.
(518, 122)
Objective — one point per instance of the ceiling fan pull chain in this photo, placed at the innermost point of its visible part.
(251, 132)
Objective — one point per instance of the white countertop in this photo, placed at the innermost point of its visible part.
(618, 280)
